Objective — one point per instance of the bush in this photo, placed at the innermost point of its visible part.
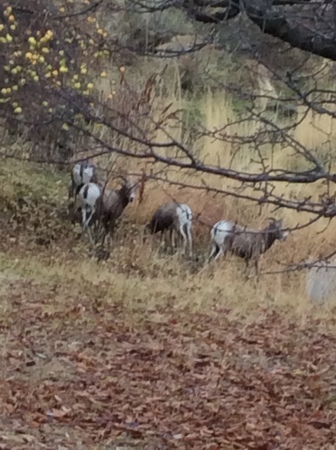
(46, 81)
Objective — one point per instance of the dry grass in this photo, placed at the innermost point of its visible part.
(143, 278)
(176, 277)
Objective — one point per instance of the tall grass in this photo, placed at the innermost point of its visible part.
(317, 133)
(167, 278)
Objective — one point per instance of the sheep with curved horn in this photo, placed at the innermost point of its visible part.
(271, 219)
(175, 218)
(246, 243)
(103, 205)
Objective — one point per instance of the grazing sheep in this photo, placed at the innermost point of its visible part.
(105, 205)
(82, 173)
(245, 242)
(175, 217)
(321, 282)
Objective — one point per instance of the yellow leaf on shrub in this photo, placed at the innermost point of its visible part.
(32, 41)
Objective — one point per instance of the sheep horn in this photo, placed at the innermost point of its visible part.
(271, 219)
(122, 177)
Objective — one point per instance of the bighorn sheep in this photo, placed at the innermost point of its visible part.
(175, 217)
(104, 205)
(246, 243)
(82, 173)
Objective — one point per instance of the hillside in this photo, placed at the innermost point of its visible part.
(139, 351)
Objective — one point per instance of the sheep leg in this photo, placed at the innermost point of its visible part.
(75, 198)
(71, 189)
(103, 237)
(109, 227)
(247, 261)
(219, 250)
(84, 211)
(95, 227)
(216, 251)
(110, 233)
(100, 233)
(256, 265)
(90, 216)
(89, 232)
(86, 228)
(166, 237)
(184, 236)
(189, 236)
(212, 252)
(107, 239)
(85, 223)
(100, 228)
(163, 238)
(172, 239)
(103, 225)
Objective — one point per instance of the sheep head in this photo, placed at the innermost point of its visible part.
(130, 187)
(275, 227)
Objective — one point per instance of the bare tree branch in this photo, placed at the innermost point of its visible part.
(299, 36)
(273, 21)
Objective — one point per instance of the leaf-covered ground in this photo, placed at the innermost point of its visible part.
(82, 375)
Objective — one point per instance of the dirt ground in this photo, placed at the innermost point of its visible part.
(85, 373)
